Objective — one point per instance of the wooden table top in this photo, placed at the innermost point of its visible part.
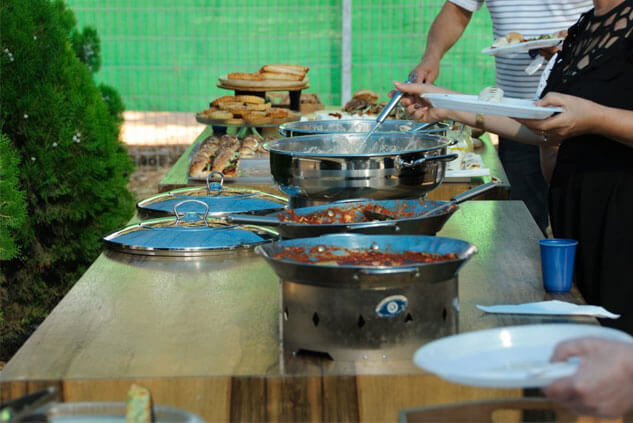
(203, 334)
(136, 316)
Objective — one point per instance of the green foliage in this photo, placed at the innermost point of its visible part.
(113, 102)
(74, 170)
(87, 47)
(12, 205)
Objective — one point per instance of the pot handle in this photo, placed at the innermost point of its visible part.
(473, 192)
(351, 200)
(215, 186)
(178, 216)
(248, 219)
(369, 225)
(442, 158)
(387, 271)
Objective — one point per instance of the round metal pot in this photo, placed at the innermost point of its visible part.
(332, 167)
(314, 127)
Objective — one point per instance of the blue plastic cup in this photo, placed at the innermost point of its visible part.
(557, 263)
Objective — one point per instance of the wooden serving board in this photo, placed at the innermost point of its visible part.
(222, 122)
(266, 85)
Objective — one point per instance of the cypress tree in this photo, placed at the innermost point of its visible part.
(73, 169)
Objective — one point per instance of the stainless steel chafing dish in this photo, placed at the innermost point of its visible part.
(331, 167)
(346, 126)
(367, 312)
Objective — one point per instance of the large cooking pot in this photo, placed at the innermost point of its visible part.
(378, 217)
(329, 167)
(360, 312)
(314, 127)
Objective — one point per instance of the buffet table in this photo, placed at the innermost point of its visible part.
(203, 334)
(177, 176)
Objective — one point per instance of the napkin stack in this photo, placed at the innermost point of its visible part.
(553, 307)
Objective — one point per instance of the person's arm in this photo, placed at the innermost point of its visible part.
(582, 116)
(421, 110)
(446, 29)
(603, 384)
(579, 116)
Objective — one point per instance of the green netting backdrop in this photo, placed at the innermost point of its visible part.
(167, 55)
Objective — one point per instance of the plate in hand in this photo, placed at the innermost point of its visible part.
(507, 357)
(511, 107)
(522, 47)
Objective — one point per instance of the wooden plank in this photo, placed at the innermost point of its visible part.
(381, 397)
(340, 399)
(294, 399)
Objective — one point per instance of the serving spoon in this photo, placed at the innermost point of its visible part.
(389, 107)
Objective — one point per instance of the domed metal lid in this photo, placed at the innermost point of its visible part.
(187, 234)
(220, 200)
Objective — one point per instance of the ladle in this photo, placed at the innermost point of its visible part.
(389, 107)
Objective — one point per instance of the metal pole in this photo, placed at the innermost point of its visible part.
(346, 70)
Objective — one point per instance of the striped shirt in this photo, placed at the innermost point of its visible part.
(531, 18)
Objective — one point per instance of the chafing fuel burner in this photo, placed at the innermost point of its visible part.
(352, 324)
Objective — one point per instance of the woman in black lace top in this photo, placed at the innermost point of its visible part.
(591, 191)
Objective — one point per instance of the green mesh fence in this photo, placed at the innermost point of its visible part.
(167, 55)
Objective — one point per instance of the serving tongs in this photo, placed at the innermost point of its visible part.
(389, 107)
(460, 198)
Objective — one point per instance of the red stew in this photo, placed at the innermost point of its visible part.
(344, 256)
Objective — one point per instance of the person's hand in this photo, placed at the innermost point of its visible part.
(548, 52)
(576, 118)
(418, 107)
(603, 384)
(427, 70)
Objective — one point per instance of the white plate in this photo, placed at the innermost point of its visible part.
(522, 47)
(507, 357)
(464, 175)
(511, 107)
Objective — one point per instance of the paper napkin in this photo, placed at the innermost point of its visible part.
(550, 307)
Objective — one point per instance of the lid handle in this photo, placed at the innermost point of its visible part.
(215, 184)
(178, 216)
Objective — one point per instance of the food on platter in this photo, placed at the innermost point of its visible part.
(308, 102)
(365, 102)
(332, 215)
(274, 72)
(517, 37)
(223, 154)
(293, 69)
(226, 161)
(221, 115)
(223, 99)
(331, 255)
(243, 110)
(358, 213)
(138, 405)
(251, 142)
(515, 42)
(246, 152)
(245, 76)
(276, 76)
(250, 99)
(493, 94)
(366, 95)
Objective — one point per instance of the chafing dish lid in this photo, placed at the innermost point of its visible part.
(220, 199)
(186, 234)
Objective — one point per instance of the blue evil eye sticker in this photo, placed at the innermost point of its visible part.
(391, 306)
